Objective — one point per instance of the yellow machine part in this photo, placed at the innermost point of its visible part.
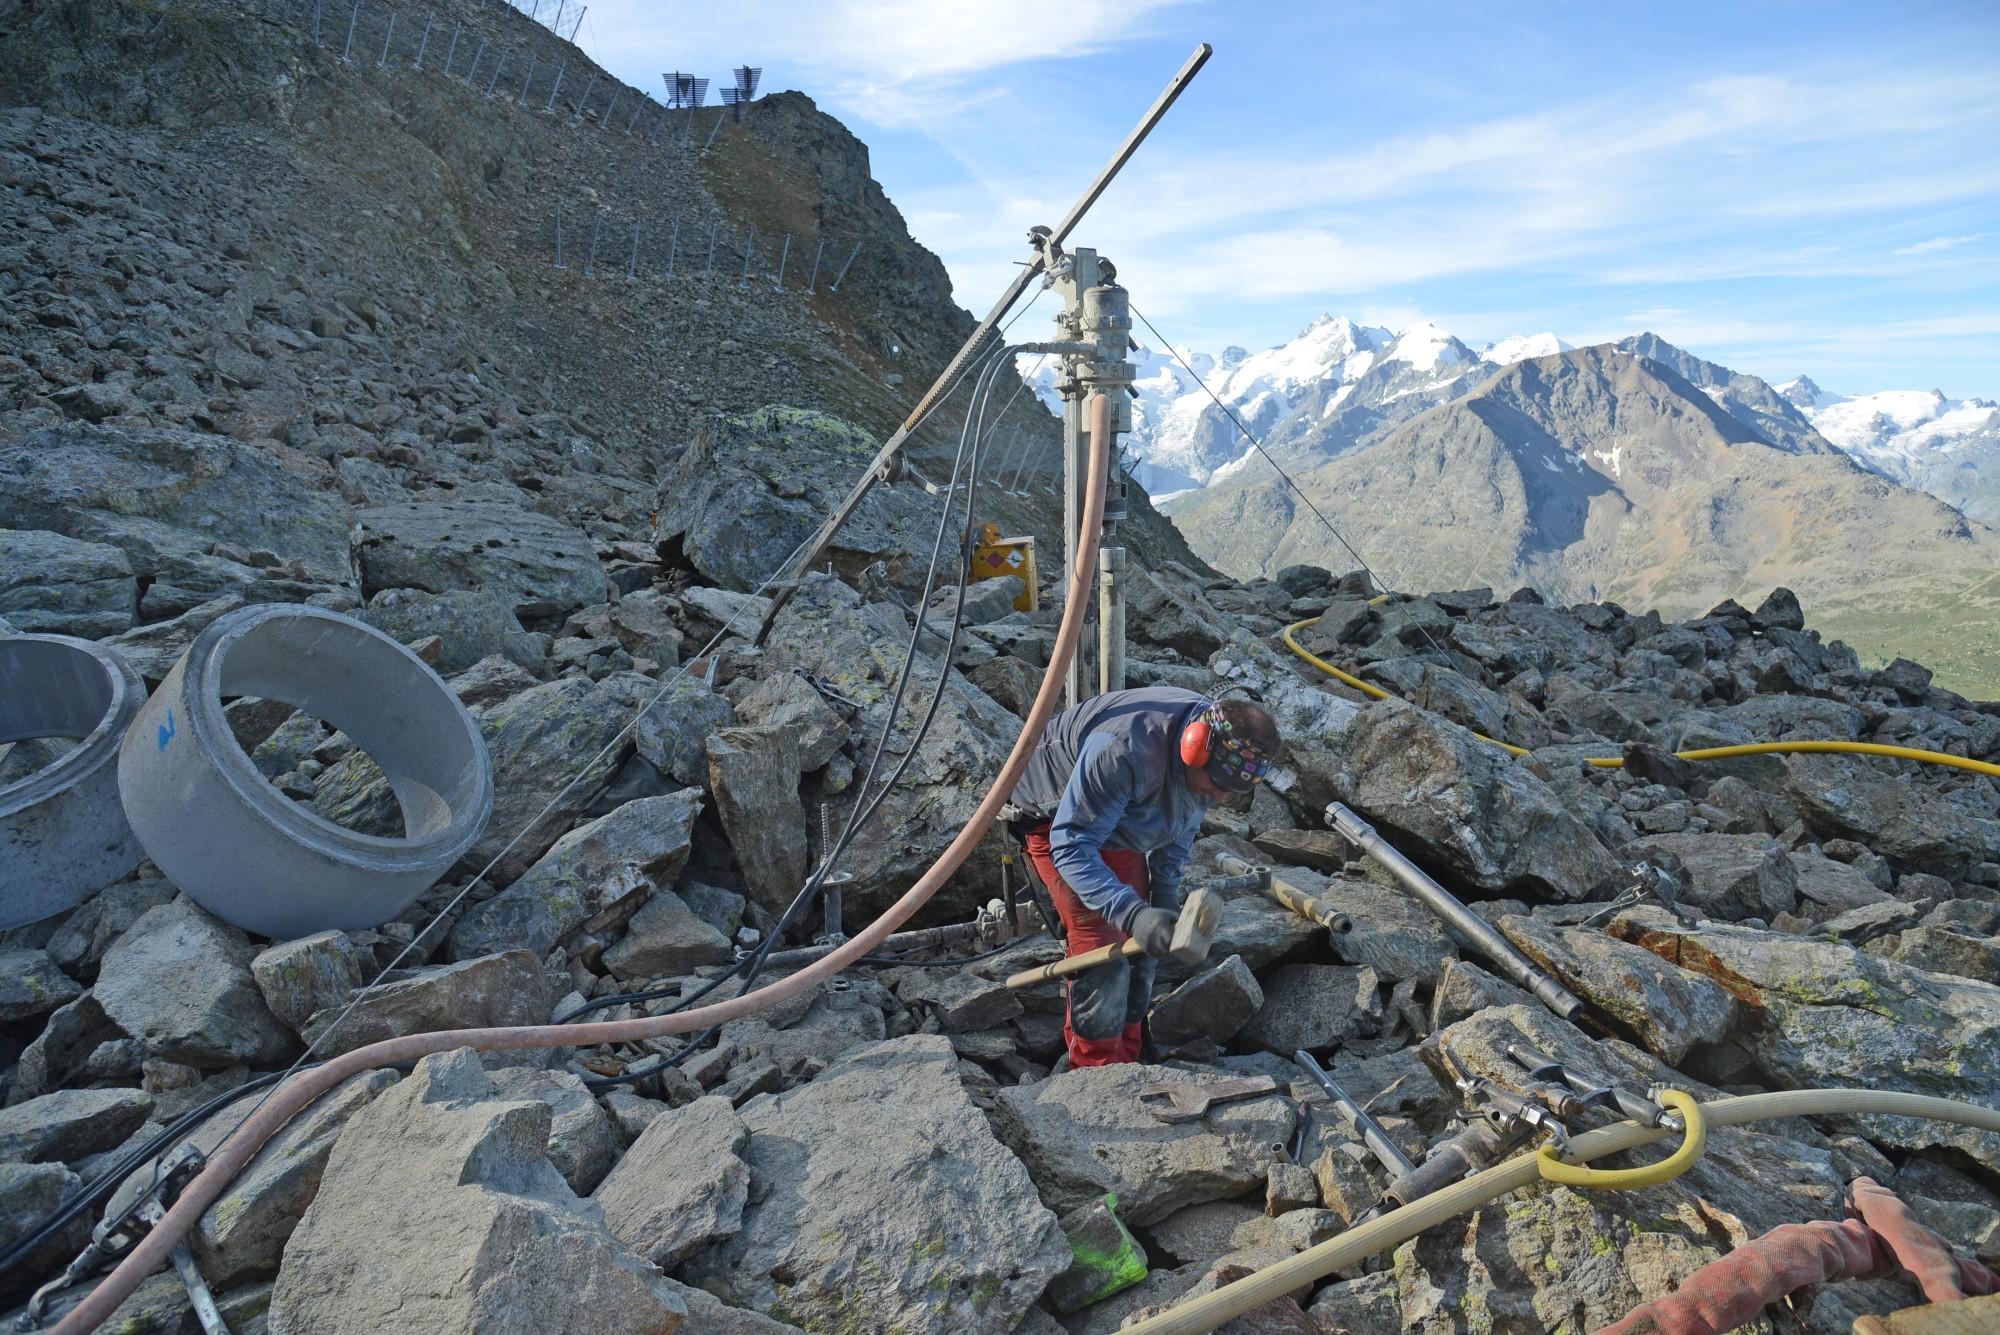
(996, 556)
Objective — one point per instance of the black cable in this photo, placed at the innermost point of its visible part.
(951, 962)
(1297, 490)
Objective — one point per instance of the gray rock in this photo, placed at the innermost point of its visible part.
(1731, 875)
(644, 623)
(439, 1211)
(1214, 1004)
(582, 1142)
(901, 1211)
(492, 991)
(489, 681)
(1670, 1009)
(754, 774)
(1364, 1306)
(630, 1113)
(1460, 805)
(474, 624)
(963, 1002)
(1393, 934)
(985, 600)
(666, 938)
(595, 876)
(1083, 1134)
(159, 494)
(179, 981)
(802, 1038)
(1009, 682)
(60, 1055)
(1842, 797)
(50, 584)
(93, 925)
(682, 1185)
(153, 650)
(533, 564)
(537, 740)
(1881, 918)
(70, 1124)
(1940, 950)
(719, 908)
(28, 1193)
(31, 985)
(1313, 1006)
(787, 699)
(313, 973)
(673, 733)
(1832, 885)
(1164, 612)
(709, 1315)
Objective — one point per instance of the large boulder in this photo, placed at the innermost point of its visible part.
(71, 1124)
(31, 985)
(302, 977)
(473, 623)
(754, 774)
(787, 699)
(489, 992)
(1850, 797)
(1172, 614)
(179, 981)
(538, 566)
(749, 490)
(827, 632)
(899, 1211)
(596, 875)
(56, 585)
(1670, 1009)
(91, 928)
(1731, 875)
(1084, 1133)
(1463, 807)
(667, 938)
(682, 1185)
(161, 495)
(1312, 1006)
(440, 1211)
(583, 1144)
(673, 733)
(1826, 1014)
(1214, 1004)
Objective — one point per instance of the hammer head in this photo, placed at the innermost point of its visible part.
(1194, 929)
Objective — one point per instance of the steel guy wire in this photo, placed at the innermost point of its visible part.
(1289, 481)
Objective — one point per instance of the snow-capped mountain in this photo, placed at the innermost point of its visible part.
(1338, 383)
(1948, 447)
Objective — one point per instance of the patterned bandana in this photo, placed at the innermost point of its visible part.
(1233, 763)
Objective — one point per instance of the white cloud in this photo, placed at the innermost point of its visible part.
(1939, 243)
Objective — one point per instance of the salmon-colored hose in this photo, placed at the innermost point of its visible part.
(296, 1094)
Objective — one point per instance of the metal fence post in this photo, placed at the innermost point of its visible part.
(423, 44)
(844, 268)
(716, 131)
(590, 265)
(352, 19)
(576, 27)
(710, 275)
(504, 53)
(604, 121)
(525, 82)
(673, 247)
(477, 56)
(637, 112)
(588, 85)
(383, 63)
(783, 255)
(452, 50)
(550, 105)
(559, 263)
(818, 250)
(632, 266)
(749, 244)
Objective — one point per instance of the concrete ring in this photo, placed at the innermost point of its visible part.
(63, 834)
(249, 854)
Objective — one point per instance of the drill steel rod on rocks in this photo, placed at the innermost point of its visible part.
(1453, 911)
(883, 464)
(301, 1090)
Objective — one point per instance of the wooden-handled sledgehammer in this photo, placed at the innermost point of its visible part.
(1194, 932)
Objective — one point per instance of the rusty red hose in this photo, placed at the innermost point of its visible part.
(1943, 1276)
(296, 1094)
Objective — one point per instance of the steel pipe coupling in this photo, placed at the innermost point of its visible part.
(246, 852)
(63, 834)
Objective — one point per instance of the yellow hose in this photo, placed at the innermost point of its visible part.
(1707, 753)
(1626, 1179)
(1210, 1310)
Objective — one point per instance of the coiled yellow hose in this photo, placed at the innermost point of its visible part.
(1626, 1179)
(1707, 753)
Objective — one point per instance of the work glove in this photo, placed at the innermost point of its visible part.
(1153, 929)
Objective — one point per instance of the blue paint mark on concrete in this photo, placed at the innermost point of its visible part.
(167, 730)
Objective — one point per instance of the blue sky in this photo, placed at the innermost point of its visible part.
(1782, 187)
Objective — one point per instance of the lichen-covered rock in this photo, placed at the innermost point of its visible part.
(595, 876)
(754, 774)
(537, 566)
(29, 1193)
(311, 974)
(179, 981)
(899, 1211)
(682, 1185)
(673, 733)
(1670, 1009)
(54, 585)
(31, 985)
(93, 925)
(488, 992)
(1463, 807)
(473, 623)
(1842, 797)
(70, 1124)
(439, 1211)
(785, 698)
(1084, 1133)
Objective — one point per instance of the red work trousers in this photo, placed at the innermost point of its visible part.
(1106, 1004)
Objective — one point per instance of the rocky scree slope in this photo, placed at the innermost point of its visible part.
(894, 1150)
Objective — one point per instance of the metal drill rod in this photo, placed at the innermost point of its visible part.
(882, 465)
(1540, 1066)
(716, 131)
(318, 6)
(818, 251)
(550, 105)
(522, 101)
(352, 19)
(637, 112)
(589, 84)
(1455, 914)
(713, 228)
(1392, 1159)
(383, 63)
(577, 27)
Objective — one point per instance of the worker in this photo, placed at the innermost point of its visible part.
(1109, 808)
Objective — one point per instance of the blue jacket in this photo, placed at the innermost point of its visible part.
(1108, 774)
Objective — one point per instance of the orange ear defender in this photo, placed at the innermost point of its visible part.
(1194, 742)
